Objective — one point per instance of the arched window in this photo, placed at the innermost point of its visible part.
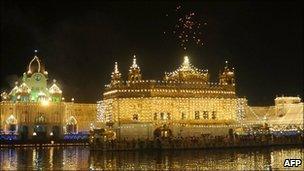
(196, 115)
(40, 120)
(213, 114)
(155, 116)
(24, 116)
(12, 123)
(72, 121)
(11, 120)
(56, 116)
(183, 115)
(71, 126)
(168, 116)
(162, 116)
(135, 117)
(205, 115)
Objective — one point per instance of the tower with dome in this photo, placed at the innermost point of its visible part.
(36, 108)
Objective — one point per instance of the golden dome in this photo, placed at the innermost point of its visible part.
(187, 72)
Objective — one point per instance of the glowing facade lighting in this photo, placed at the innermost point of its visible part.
(185, 92)
(45, 102)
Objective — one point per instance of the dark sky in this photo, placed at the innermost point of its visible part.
(80, 41)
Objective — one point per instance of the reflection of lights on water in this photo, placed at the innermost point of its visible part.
(199, 160)
(34, 158)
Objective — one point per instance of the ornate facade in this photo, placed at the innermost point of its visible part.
(34, 108)
(286, 114)
(183, 102)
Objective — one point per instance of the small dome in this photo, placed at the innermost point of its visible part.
(134, 71)
(23, 89)
(134, 65)
(227, 71)
(14, 90)
(54, 89)
(4, 96)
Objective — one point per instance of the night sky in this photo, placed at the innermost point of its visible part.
(79, 42)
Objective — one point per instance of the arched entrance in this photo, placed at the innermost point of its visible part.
(23, 132)
(71, 126)
(56, 132)
(40, 128)
(162, 132)
(230, 132)
(11, 122)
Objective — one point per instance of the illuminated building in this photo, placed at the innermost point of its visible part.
(286, 114)
(35, 108)
(184, 103)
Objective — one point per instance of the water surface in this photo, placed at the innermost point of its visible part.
(80, 158)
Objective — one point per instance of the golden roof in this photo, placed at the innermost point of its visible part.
(187, 72)
(116, 72)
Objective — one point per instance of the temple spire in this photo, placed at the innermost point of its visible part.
(116, 75)
(227, 76)
(226, 64)
(134, 65)
(116, 68)
(186, 64)
(187, 72)
(134, 72)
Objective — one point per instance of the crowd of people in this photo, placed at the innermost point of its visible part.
(195, 142)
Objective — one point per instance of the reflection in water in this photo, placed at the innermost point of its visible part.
(76, 158)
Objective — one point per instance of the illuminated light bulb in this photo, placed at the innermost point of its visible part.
(44, 102)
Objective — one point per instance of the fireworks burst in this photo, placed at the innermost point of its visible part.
(188, 27)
